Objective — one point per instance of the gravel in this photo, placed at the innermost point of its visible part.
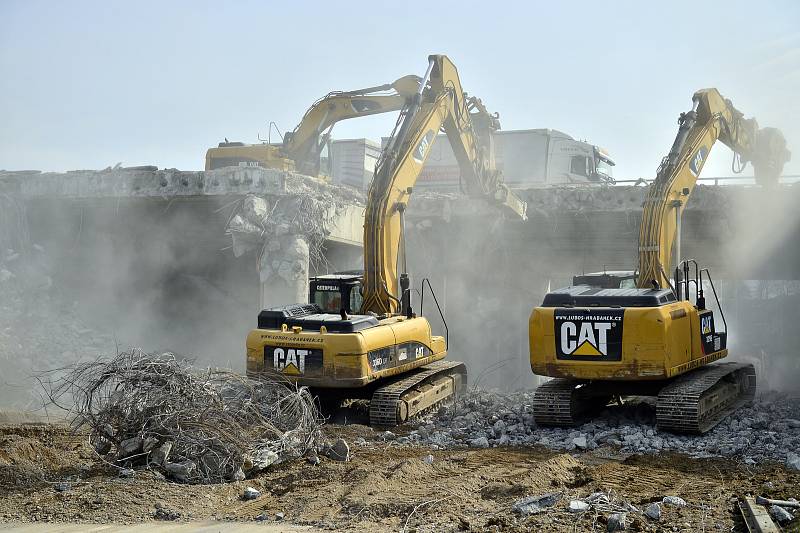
(766, 430)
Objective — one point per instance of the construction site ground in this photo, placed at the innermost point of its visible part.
(48, 474)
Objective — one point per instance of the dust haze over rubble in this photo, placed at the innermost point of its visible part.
(78, 281)
(763, 311)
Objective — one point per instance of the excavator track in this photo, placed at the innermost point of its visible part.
(397, 402)
(700, 399)
(561, 402)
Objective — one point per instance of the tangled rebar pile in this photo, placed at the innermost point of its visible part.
(194, 426)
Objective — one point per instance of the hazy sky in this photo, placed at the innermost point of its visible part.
(91, 84)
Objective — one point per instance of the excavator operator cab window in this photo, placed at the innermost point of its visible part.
(329, 301)
(334, 292)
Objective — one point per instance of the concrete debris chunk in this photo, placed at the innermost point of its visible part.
(126, 473)
(250, 493)
(160, 455)
(653, 511)
(262, 459)
(480, 442)
(102, 446)
(129, 446)
(149, 443)
(428, 459)
(279, 516)
(535, 504)
(780, 514)
(239, 475)
(313, 460)
(181, 471)
(340, 451)
(578, 506)
(580, 442)
(616, 522)
(675, 501)
(62, 486)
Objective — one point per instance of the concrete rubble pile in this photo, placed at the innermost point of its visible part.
(767, 430)
(194, 426)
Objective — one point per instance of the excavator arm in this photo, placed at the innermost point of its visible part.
(712, 118)
(302, 147)
(304, 144)
(439, 103)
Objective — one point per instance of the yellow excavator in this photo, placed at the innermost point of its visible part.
(303, 149)
(603, 340)
(384, 351)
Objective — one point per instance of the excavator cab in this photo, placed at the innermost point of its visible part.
(336, 292)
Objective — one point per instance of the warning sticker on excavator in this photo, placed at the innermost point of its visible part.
(588, 334)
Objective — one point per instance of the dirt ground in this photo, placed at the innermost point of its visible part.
(382, 488)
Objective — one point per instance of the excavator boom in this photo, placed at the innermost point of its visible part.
(302, 147)
(305, 143)
(385, 352)
(440, 103)
(711, 118)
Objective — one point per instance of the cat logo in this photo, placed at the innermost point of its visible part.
(697, 161)
(707, 324)
(290, 360)
(592, 339)
(421, 151)
(585, 335)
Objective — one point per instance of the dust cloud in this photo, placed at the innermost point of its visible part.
(82, 279)
(761, 295)
(78, 279)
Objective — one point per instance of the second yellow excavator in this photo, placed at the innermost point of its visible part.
(384, 351)
(303, 149)
(601, 342)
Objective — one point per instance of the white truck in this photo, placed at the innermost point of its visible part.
(527, 158)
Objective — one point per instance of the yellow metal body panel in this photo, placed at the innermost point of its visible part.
(261, 155)
(345, 361)
(657, 343)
